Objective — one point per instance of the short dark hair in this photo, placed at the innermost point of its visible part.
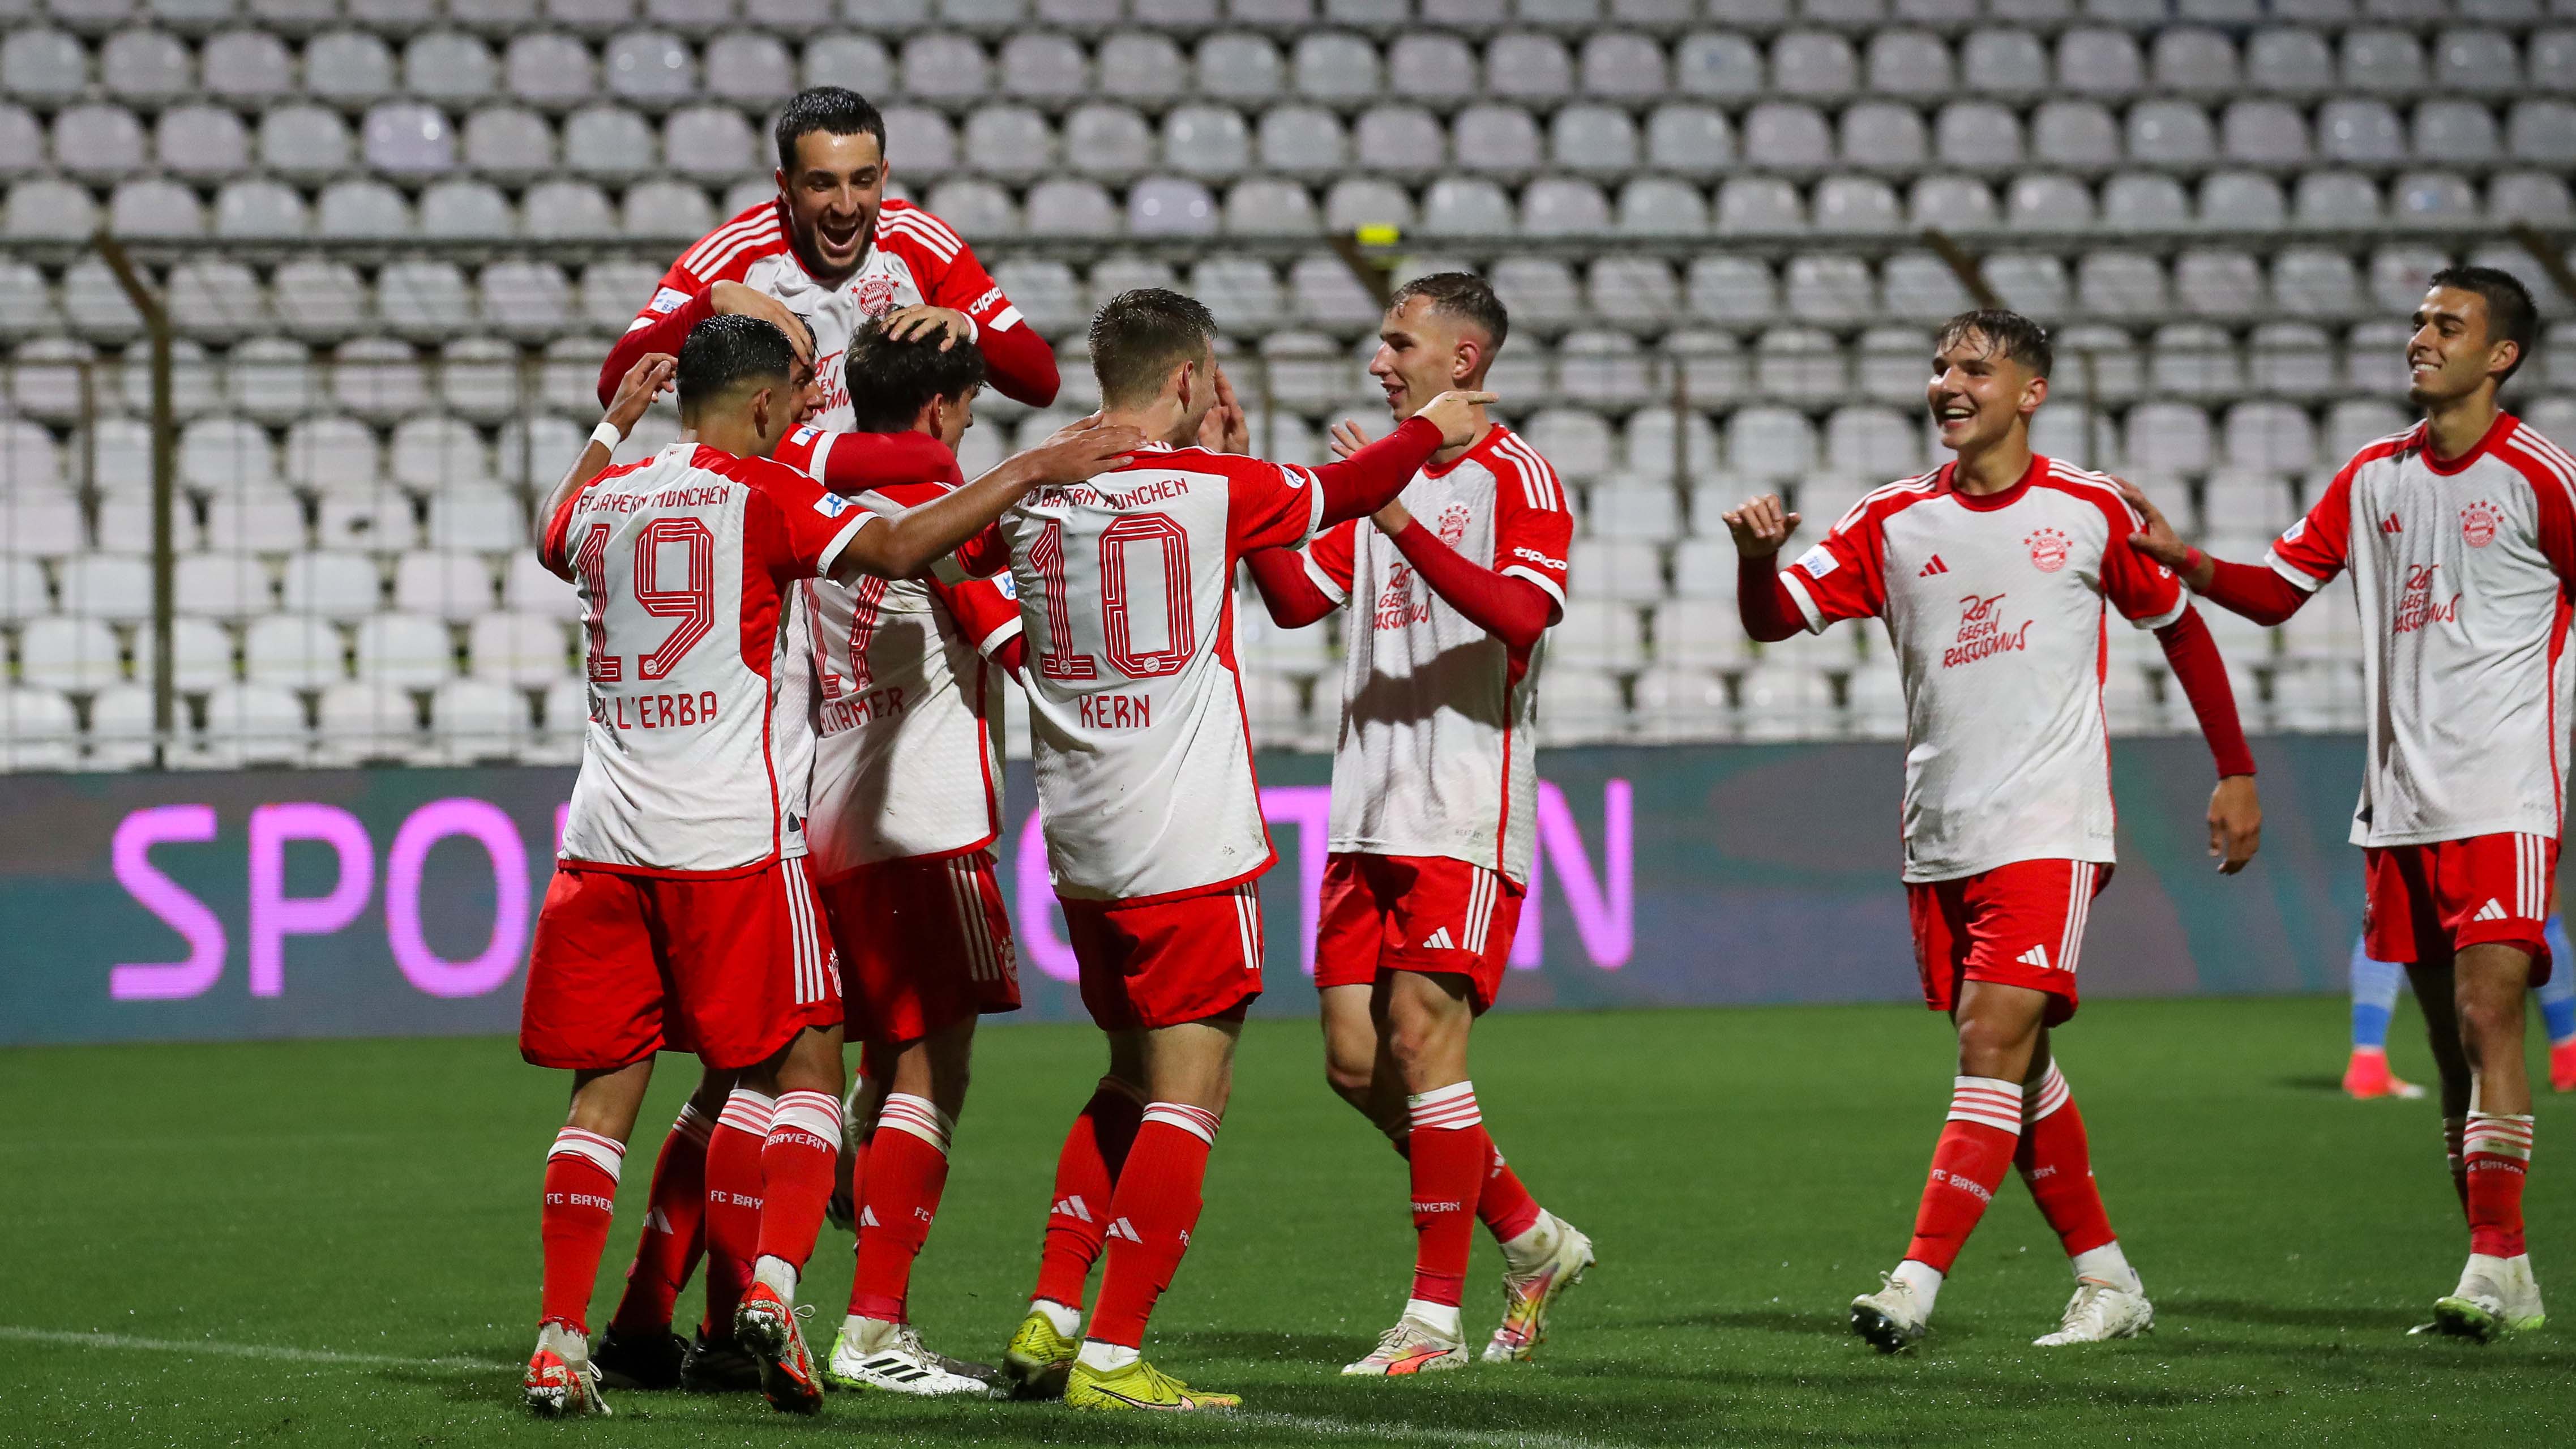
(834, 110)
(2007, 332)
(2511, 317)
(1141, 336)
(1463, 295)
(732, 348)
(890, 382)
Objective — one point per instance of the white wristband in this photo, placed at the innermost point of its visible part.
(607, 436)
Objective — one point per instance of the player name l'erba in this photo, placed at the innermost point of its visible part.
(654, 711)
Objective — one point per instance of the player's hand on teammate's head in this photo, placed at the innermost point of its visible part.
(1084, 449)
(1760, 525)
(649, 378)
(1348, 437)
(1458, 414)
(2235, 823)
(734, 297)
(1225, 429)
(2157, 540)
(906, 323)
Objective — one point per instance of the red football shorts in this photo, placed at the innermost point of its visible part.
(1167, 962)
(2427, 902)
(1427, 913)
(628, 965)
(2020, 924)
(924, 944)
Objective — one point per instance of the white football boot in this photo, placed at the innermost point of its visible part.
(2496, 1297)
(560, 1381)
(2100, 1312)
(1528, 1296)
(1411, 1347)
(1893, 1318)
(874, 1354)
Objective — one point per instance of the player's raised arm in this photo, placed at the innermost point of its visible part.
(1371, 478)
(648, 379)
(1760, 526)
(904, 544)
(2252, 590)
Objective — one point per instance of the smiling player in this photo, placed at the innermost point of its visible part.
(2461, 536)
(1994, 574)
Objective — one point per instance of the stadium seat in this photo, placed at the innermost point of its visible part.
(246, 67)
(367, 722)
(529, 650)
(474, 721)
(1693, 141)
(73, 653)
(120, 735)
(224, 586)
(38, 729)
(256, 723)
(333, 585)
(405, 650)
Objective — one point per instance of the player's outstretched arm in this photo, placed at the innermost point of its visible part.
(1370, 479)
(1760, 526)
(1291, 596)
(2248, 589)
(1513, 610)
(2235, 809)
(665, 333)
(904, 544)
(648, 379)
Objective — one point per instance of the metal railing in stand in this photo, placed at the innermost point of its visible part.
(165, 482)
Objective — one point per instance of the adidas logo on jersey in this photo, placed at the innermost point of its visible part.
(1934, 567)
(1440, 941)
(2493, 910)
(1124, 1229)
(2035, 956)
(2391, 525)
(868, 1218)
(1072, 1208)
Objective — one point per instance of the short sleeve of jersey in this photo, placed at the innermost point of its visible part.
(552, 553)
(1840, 577)
(1332, 559)
(1533, 530)
(986, 611)
(980, 557)
(2145, 592)
(2314, 549)
(1270, 505)
(794, 527)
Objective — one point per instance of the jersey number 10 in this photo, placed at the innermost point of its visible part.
(691, 601)
(1060, 660)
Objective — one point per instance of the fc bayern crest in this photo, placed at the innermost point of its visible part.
(2478, 523)
(2048, 549)
(875, 295)
(1453, 524)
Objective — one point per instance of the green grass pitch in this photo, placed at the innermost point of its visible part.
(336, 1243)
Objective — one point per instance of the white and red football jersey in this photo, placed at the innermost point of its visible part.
(1998, 607)
(907, 718)
(1143, 752)
(916, 259)
(685, 563)
(1442, 761)
(2462, 570)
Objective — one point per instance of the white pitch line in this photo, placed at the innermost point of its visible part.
(240, 1350)
(1302, 1423)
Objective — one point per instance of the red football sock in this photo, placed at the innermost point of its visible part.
(2057, 1164)
(796, 1174)
(1086, 1176)
(1150, 1217)
(1506, 1207)
(674, 1229)
(1976, 1149)
(908, 1168)
(733, 1205)
(580, 1198)
(1449, 1156)
(2498, 1152)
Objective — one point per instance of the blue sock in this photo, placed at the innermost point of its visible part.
(2558, 995)
(2374, 995)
